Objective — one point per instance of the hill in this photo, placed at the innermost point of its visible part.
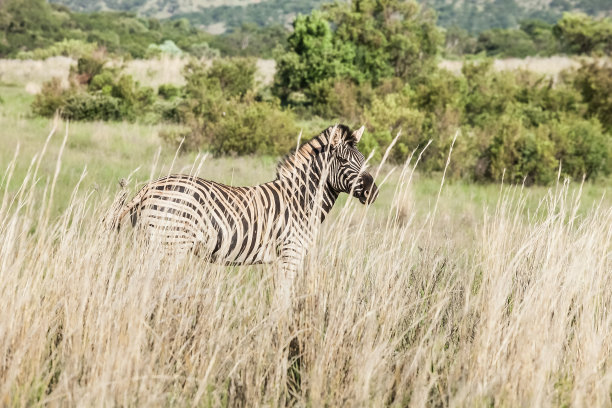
(471, 15)
(479, 15)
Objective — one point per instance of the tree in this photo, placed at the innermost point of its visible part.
(582, 34)
(364, 41)
(314, 55)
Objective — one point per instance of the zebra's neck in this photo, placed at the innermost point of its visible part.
(309, 193)
(304, 176)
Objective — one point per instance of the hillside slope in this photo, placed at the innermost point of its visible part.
(478, 15)
(472, 15)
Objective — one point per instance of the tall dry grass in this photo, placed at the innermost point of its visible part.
(391, 309)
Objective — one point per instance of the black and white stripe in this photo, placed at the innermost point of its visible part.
(259, 224)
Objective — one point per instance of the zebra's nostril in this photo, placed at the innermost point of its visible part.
(366, 193)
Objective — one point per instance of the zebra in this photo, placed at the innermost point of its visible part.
(260, 224)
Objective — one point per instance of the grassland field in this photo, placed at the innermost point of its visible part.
(465, 295)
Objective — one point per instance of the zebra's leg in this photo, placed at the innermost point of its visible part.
(291, 259)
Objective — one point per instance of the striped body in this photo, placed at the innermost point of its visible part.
(259, 224)
(240, 225)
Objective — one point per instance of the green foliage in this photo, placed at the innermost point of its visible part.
(370, 41)
(315, 56)
(68, 48)
(168, 91)
(505, 43)
(386, 116)
(575, 33)
(235, 77)
(476, 17)
(458, 41)
(471, 16)
(390, 38)
(168, 47)
(95, 93)
(519, 154)
(594, 81)
(204, 50)
(582, 147)
(515, 125)
(37, 29)
(264, 13)
(581, 34)
(253, 127)
(222, 111)
(50, 99)
(250, 40)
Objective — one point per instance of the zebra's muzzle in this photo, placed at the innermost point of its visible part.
(369, 191)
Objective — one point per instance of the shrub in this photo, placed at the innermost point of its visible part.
(84, 106)
(87, 68)
(582, 147)
(341, 99)
(594, 81)
(95, 93)
(519, 154)
(385, 117)
(235, 76)
(168, 47)
(582, 34)
(168, 91)
(254, 128)
(51, 98)
(505, 43)
(220, 107)
(204, 50)
(67, 47)
(325, 47)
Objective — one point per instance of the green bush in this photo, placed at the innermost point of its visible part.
(168, 91)
(84, 106)
(235, 76)
(582, 147)
(51, 98)
(67, 47)
(168, 47)
(518, 154)
(594, 81)
(581, 34)
(386, 116)
(357, 42)
(505, 43)
(204, 50)
(254, 128)
(87, 67)
(95, 93)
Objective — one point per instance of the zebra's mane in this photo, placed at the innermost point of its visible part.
(299, 159)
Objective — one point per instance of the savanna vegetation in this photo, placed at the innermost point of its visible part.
(460, 294)
(444, 292)
(514, 125)
(474, 17)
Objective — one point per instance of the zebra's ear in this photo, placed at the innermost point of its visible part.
(356, 136)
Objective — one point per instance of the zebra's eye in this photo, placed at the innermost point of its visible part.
(342, 160)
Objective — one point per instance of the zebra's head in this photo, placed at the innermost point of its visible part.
(347, 165)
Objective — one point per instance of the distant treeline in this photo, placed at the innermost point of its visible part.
(28, 25)
(35, 25)
(572, 34)
(472, 16)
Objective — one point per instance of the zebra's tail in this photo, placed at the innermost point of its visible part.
(114, 217)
